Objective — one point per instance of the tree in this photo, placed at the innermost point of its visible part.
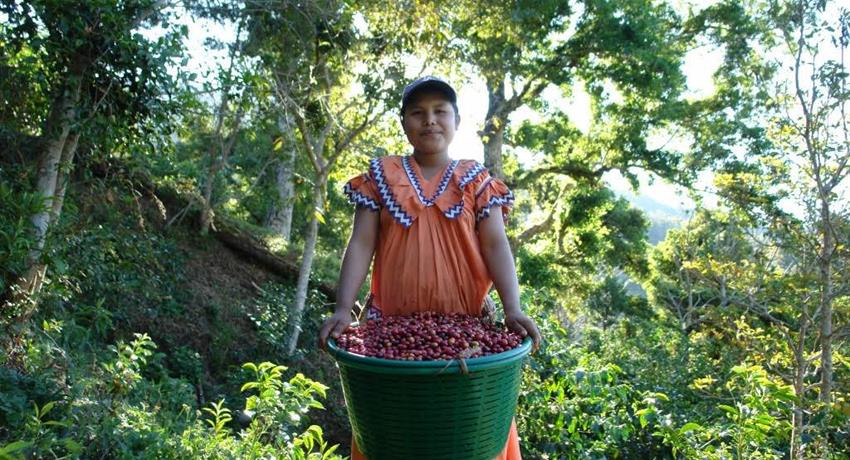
(308, 51)
(692, 269)
(627, 56)
(822, 126)
(233, 82)
(280, 216)
(805, 120)
(94, 65)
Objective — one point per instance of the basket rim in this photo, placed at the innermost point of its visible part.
(344, 357)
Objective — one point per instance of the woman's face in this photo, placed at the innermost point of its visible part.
(430, 122)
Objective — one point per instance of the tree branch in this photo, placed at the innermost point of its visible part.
(572, 170)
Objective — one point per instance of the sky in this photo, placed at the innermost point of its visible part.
(699, 66)
(472, 103)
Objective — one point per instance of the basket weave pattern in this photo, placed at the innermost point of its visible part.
(431, 410)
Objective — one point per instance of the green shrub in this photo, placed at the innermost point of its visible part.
(117, 407)
(17, 239)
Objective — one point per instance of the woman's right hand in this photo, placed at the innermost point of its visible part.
(333, 327)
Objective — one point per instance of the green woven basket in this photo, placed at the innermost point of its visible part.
(431, 409)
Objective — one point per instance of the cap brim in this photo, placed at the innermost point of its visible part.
(430, 85)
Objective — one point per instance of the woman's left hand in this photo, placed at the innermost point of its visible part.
(520, 323)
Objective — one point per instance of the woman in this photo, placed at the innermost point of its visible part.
(429, 222)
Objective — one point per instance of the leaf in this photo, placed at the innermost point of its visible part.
(45, 409)
(729, 409)
(15, 446)
(573, 423)
(278, 144)
(329, 453)
(55, 423)
(690, 426)
(320, 216)
(73, 446)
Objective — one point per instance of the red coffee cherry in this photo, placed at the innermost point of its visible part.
(428, 336)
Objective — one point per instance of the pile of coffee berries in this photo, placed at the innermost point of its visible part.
(427, 336)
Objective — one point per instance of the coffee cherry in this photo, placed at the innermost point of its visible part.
(428, 336)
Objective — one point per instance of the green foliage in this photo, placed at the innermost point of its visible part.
(220, 418)
(604, 229)
(41, 436)
(12, 450)
(755, 425)
(611, 301)
(538, 269)
(760, 411)
(187, 363)
(125, 371)
(508, 37)
(694, 271)
(133, 416)
(278, 404)
(19, 392)
(270, 314)
(575, 404)
(274, 414)
(99, 263)
(16, 237)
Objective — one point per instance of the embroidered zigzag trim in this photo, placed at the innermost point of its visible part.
(387, 197)
(360, 199)
(373, 313)
(471, 174)
(444, 181)
(454, 211)
(411, 176)
(495, 201)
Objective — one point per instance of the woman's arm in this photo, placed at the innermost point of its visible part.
(355, 266)
(500, 264)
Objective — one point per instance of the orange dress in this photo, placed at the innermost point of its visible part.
(428, 256)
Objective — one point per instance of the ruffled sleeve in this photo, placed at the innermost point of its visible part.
(489, 193)
(362, 192)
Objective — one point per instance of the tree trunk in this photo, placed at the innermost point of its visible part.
(799, 383)
(207, 212)
(825, 265)
(494, 128)
(218, 162)
(66, 165)
(297, 311)
(57, 129)
(280, 217)
(56, 132)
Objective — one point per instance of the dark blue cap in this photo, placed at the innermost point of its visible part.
(427, 83)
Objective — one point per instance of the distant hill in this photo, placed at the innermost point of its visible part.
(662, 216)
(653, 207)
(659, 225)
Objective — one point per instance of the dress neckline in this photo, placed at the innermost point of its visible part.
(414, 175)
